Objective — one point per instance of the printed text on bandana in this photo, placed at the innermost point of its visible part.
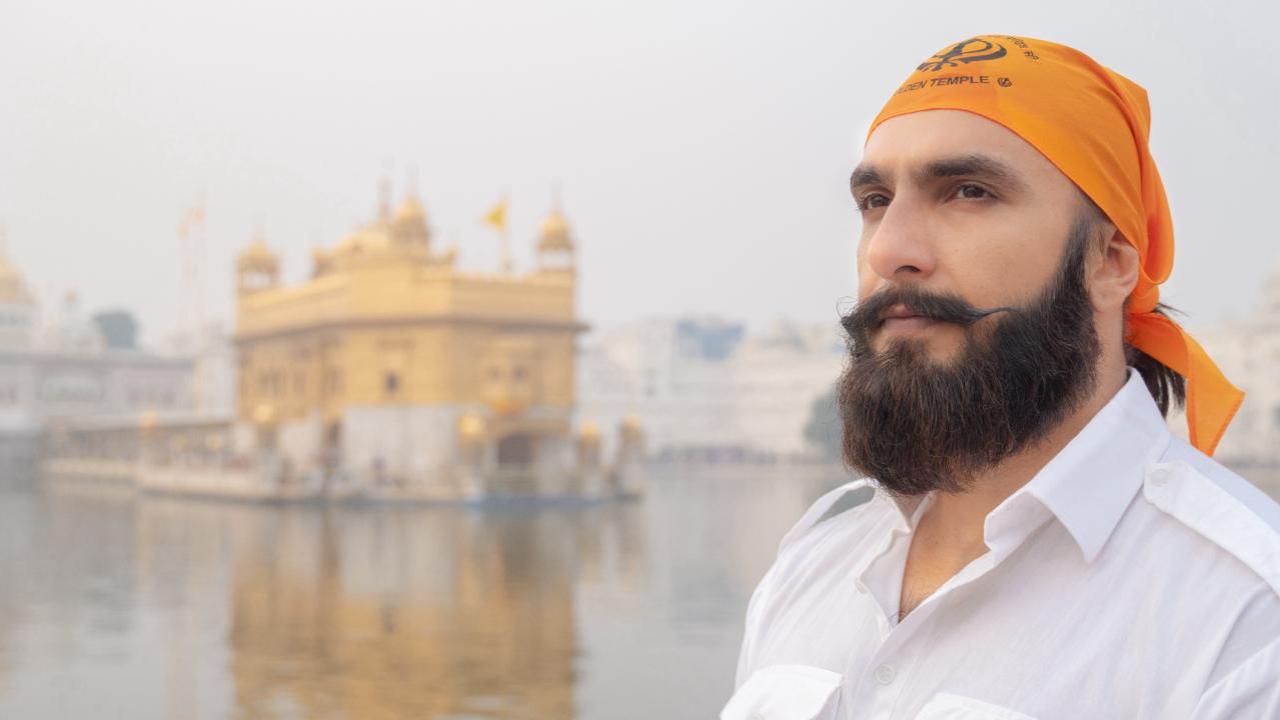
(953, 80)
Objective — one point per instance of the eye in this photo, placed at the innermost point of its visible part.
(871, 201)
(970, 191)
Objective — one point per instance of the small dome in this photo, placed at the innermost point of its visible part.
(12, 287)
(410, 208)
(372, 238)
(589, 430)
(410, 223)
(553, 233)
(258, 257)
(554, 224)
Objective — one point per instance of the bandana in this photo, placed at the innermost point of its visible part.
(1093, 125)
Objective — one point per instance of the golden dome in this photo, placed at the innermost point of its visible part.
(371, 238)
(258, 257)
(410, 208)
(553, 233)
(554, 223)
(410, 224)
(589, 430)
(12, 287)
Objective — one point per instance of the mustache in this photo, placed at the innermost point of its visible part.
(869, 314)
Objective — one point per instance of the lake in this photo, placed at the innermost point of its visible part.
(114, 605)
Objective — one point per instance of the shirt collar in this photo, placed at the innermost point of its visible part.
(1086, 486)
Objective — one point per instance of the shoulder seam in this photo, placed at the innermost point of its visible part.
(1188, 496)
(813, 516)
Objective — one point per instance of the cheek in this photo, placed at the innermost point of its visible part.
(868, 281)
(1000, 270)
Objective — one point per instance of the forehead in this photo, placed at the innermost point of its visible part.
(918, 138)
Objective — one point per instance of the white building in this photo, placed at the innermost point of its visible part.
(1248, 351)
(213, 381)
(702, 389)
(59, 367)
(778, 376)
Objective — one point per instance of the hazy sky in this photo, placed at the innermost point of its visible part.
(703, 148)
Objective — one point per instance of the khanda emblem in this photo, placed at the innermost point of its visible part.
(966, 51)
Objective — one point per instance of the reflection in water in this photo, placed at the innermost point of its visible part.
(373, 614)
(115, 605)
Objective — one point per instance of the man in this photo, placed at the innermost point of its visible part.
(1031, 541)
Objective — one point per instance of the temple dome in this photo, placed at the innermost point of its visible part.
(13, 289)
(410, 223)
(258, 257)
(553, 232)
(410, 208)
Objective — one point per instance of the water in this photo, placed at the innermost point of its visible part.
(114, 605)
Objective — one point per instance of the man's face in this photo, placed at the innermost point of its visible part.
(955, 204)
(974, 333)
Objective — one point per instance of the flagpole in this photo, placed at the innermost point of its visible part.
(497, 218)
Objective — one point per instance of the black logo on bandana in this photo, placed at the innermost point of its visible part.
(966, 51)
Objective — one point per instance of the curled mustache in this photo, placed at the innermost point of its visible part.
(869, 315)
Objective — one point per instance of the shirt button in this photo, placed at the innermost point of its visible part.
(1159, 477)
(758, 716)
(885, 674)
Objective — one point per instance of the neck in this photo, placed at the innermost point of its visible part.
(959, 517)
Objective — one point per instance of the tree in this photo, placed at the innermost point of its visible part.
(824, 429)
(118, 327)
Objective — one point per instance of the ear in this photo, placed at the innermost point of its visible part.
(1113, 273)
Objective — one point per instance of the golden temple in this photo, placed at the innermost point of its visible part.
(390, 371)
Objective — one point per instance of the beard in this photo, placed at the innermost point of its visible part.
(915, 425)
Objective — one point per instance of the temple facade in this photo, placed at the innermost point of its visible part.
(392, 368)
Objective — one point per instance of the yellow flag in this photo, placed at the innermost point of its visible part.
(497, 217)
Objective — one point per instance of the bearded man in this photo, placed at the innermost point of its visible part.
(1030, 539)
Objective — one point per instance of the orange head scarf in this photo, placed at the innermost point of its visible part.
(1092, 123)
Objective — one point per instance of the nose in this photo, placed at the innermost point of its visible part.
(898, 247)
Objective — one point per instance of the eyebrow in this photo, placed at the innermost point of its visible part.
(864, 175)
(973, 165)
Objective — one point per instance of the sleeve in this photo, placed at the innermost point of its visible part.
(837, 500)
(1251, 690)
(751, 630)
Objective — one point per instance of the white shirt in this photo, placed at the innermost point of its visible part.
(1132, 577)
